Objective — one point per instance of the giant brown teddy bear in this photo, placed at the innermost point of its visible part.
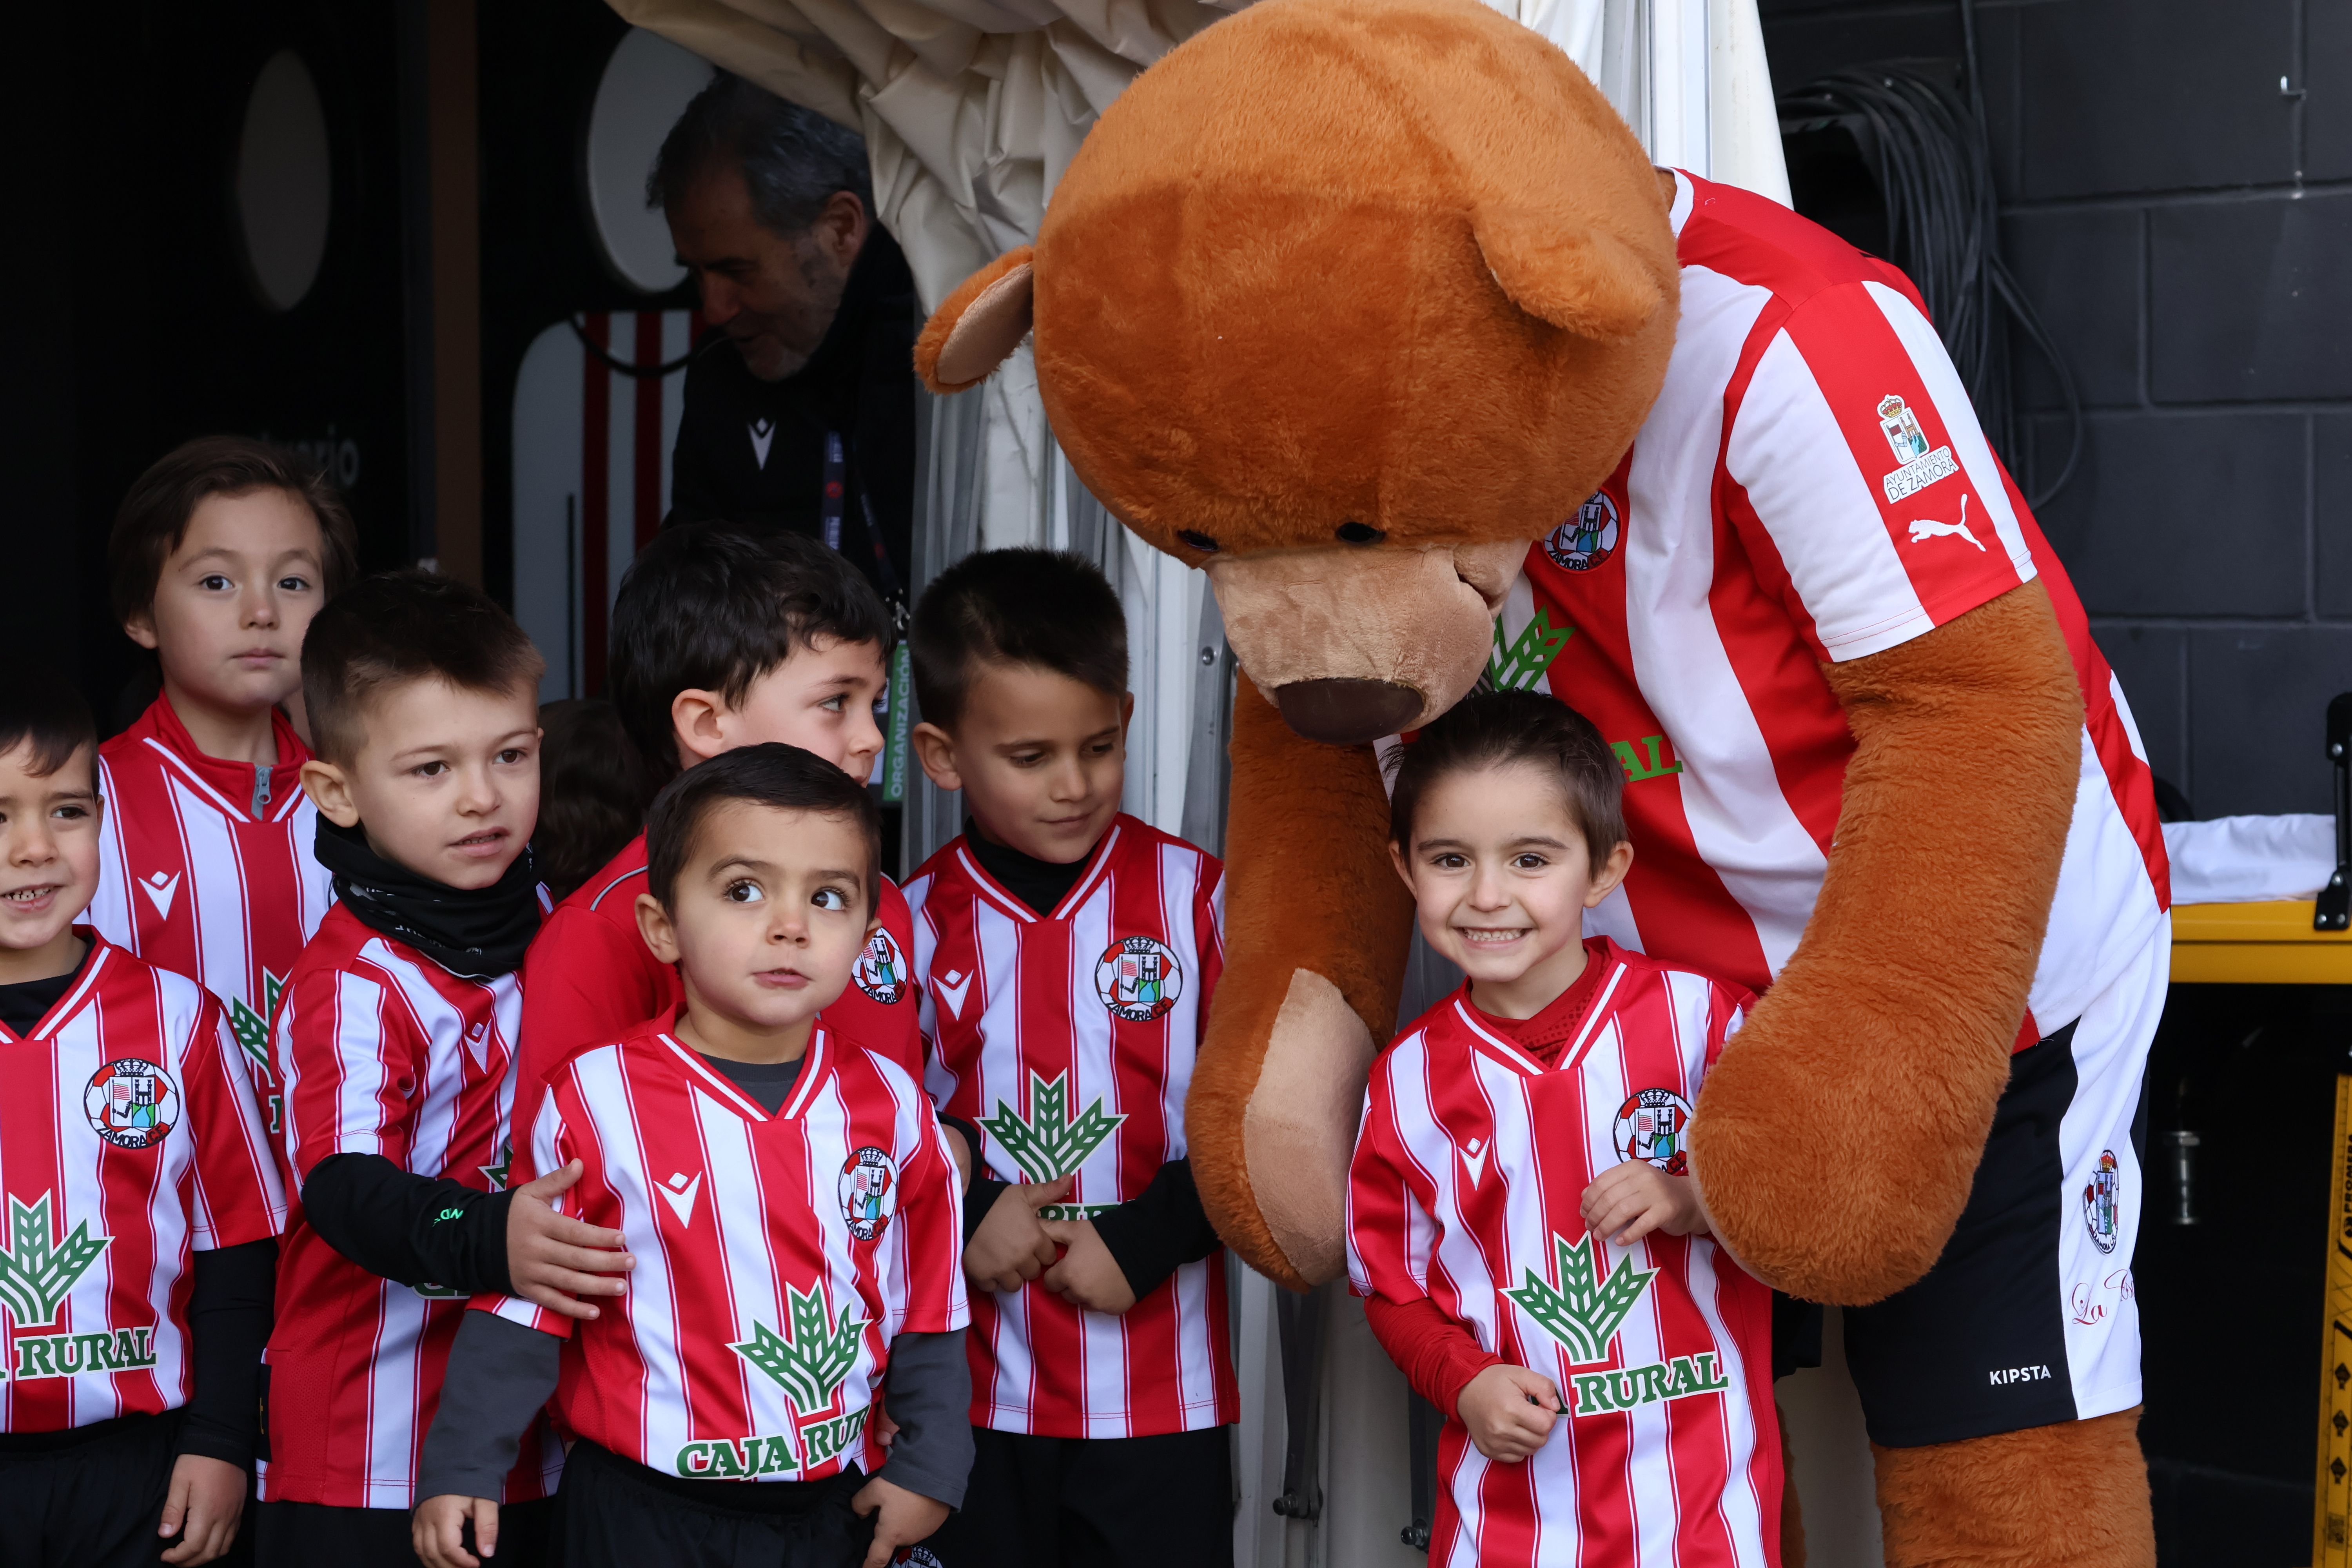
(1348, 301)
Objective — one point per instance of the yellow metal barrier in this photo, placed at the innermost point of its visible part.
(2257, 944)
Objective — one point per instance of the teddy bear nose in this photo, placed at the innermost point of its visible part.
(1347, 712)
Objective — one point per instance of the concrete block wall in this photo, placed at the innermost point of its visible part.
(2184, 224)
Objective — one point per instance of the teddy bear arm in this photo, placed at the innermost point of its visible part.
(1836, 1139)
(1317, 926)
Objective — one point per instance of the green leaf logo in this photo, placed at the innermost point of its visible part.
(252, 1028)
(814, 1360)
(1591, 1304)
(35, 1273)
(1518, 664)
(1046, 1143)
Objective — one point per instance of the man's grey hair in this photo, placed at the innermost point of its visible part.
(792, 159)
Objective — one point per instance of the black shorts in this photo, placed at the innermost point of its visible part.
(1092, 1502)
(90, 1498)
(308, 1534)
(615, 1512)
(2030, 1317)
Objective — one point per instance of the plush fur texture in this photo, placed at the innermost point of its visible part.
(1899, 1009)
(1347, 300)
(2069, 1496)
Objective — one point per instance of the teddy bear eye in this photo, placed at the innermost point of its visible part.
(1361, 533)
(1199, 541)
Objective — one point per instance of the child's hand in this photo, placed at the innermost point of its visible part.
(1011, 1245)
(1087, 1276)
(901, 1517)
(551, 1258)
(1509, 1410)
(1630, 1201)
(438, 1530)
(202, 1508)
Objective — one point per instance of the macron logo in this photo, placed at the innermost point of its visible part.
(680, 1193)
(763, 436)
(158, 889)
(951, 987)
(1474, 1160)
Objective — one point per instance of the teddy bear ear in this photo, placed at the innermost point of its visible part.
(1591, 283)
(979, 326)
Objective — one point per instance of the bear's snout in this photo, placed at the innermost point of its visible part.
(1347, 712)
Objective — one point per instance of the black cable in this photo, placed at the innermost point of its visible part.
(1928, 152)
(641, 372)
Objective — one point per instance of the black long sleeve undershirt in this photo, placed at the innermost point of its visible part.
(418, 1230)
(229, 1315)
(1158, 1230)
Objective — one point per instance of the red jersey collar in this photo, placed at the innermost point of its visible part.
(229, 783)
(815, 1065)
(80, 992)
(1095, 862)
(1556, 1037)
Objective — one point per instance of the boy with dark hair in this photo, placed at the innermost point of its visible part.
(1521, 1219)
(722, 639)
(133, 1157)
(221, 554)
(796, 1207)
(1067, 953)
(394, 1042)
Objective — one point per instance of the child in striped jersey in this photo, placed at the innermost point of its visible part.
(393, 1044)
(220, 555)
(1066, 956)
(795, 1206)
(133, 1157)
(1522, 1219)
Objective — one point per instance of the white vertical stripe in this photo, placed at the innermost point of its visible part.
(216, 889)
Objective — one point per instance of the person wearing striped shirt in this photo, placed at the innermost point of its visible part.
(795, 1206)
(1066, 955)
(1534, 1252)
(143, 1200)
(394, 1047)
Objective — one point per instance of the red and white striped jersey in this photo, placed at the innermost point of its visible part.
(205, 865)
(129, 1141)
(378, 1050)
(1468, 1174)
(1811, 486)
(590, 978)
(778, 1257)
(1068, 1040)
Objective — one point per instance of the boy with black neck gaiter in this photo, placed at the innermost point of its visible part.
(394, 1045)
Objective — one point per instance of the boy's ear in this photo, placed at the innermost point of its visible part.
(1613, 872)
(980, 324)
(935, 749)
(139, 625)
(330, 792)
(1125, 713)
(697, 723)
(654, 925)
(1403, 870)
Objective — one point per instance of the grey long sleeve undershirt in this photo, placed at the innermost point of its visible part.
(500, 1372)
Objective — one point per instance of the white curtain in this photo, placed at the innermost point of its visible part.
(971, 109)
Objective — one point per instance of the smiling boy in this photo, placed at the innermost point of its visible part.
(133, 1158)
(394, 1042)
(221, 554)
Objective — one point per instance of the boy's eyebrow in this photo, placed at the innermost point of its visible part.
(746, 863)
(510, 735)
(1545, 839)
(1015, 745)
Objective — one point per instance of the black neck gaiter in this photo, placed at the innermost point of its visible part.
(476, 933)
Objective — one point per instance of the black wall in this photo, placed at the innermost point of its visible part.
(134, 326)
(2185, 227)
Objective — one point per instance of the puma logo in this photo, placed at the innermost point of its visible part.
(763, 436)
(680, 1193)
(951, 987)
(1926, 528)
(160, 890)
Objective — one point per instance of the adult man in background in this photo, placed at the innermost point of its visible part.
(803, 417)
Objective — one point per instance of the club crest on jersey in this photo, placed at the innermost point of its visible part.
(131, 1103)
(882, 969)
(1916, 468)
(1653, 1125)
(869, 1193)
(2102, 1197)
(1139, 979)
(1588, 538)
